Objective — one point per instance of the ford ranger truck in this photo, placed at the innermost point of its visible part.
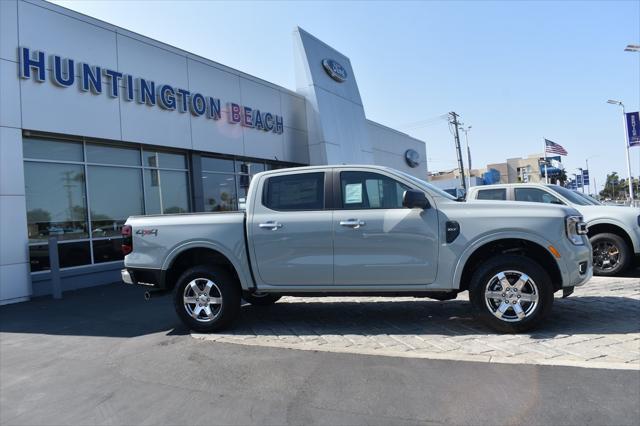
(614, 231)
(360, 230)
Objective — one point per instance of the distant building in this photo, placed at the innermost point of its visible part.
(513, 170)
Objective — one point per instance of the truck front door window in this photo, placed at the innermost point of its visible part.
(366, 190)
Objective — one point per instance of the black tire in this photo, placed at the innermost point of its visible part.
(539, 284)
(260, 299)
(611, 254)
(224, 287)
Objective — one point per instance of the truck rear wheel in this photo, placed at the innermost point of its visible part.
(511, 293)
(207, 298)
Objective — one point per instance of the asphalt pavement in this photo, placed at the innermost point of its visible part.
(105, 356)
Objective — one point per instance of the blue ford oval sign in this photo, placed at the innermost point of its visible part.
(412, 158)
(335, 70)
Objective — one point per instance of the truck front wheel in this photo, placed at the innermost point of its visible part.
(207, 298)
(611, 255)
(511, 293)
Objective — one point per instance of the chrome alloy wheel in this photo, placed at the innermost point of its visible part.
(202, 299)
(606, 255)
(511, 296)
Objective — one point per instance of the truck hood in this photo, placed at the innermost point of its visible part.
(516, 208)
(626, 215)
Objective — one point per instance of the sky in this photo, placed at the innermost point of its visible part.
(517, 71)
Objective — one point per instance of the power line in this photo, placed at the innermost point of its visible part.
(424, 123)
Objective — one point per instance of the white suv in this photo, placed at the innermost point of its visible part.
(614, 231)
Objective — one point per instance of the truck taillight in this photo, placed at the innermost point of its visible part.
(127, 241)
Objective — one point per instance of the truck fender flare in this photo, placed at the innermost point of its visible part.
(504, 235)
(237, 263)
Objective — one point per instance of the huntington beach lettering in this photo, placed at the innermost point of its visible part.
(96, 80)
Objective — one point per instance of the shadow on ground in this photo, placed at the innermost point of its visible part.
(120, 311)
(113, 310)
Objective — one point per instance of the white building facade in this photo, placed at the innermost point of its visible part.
(98, 123)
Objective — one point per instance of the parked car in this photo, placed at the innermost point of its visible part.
(359, 230)
(614, 231)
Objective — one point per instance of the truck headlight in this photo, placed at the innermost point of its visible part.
(576, 228)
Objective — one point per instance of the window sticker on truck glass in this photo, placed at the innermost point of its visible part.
(353, 193)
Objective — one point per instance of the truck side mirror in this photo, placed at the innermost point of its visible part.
(413, 198)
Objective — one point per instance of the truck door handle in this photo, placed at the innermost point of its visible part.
(274, 226)
(353, 223)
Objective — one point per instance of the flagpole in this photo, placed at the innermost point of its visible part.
(546, 171)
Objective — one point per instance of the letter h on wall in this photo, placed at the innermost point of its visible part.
(27, 63)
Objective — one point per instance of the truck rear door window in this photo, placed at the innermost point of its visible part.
(303, 191)
(492, 194)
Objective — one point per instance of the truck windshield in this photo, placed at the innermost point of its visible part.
(569, 195)
(589, 199)
(423, 184)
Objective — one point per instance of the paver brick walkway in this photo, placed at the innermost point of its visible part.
(598, 326)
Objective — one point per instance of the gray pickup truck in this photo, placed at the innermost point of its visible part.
(360, 230)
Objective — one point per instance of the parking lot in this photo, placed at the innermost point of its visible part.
(105, 356)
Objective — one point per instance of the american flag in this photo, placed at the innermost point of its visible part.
(554, 148)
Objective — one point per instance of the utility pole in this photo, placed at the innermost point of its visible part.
(454, 121)
(587, 163)
(466, 140)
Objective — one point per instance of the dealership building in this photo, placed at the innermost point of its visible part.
(98, 123)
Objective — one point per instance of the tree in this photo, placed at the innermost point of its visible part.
(38, 216)
(612, 187)
(560, 178)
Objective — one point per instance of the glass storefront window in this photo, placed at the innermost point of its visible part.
(52, 149)
(210, 164)
(219, 191)
(74, 254)
(39, 257)
(70, 254)
(249, 167)
(164, 160)
(107, 250)
(56, 201)
(66, 193)
(105, 154)
(166, 191)
(115, 193)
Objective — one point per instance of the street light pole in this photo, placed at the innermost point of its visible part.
(626, 145)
